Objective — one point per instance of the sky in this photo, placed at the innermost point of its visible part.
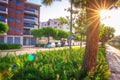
(57, 9)
(112, 18)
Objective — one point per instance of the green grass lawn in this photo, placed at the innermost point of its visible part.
(51, 65)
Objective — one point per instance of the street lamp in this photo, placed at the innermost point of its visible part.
(70, 39)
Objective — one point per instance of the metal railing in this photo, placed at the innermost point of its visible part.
(4, 1)
(31, 11)
(3, 9)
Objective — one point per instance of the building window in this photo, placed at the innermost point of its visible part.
(2, 8)
(17, 40)
(19, 2)
(33, 41)
(2, 18)
(18, 20)
(10, 18)
(10, 40)
(11, 9)
(18, 29)
(1, 39)
(11, 0)
(28, 25)
(18, 11)
(55, 22)
(48, 23)
(10, 28)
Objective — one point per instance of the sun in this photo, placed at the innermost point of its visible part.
(104, 14)
(110, 17)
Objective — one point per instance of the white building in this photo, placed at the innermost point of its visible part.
(56, 24)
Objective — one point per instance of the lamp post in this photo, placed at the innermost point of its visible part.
(70, 39)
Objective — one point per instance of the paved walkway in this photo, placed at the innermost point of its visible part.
(113, 60)
(26, 50)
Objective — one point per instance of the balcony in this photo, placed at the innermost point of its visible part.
(30, 18)
(3, 20)
(31, 11)
(27, 25)
(31, 22)
(27, 33)
(4, 1)
(3, 10)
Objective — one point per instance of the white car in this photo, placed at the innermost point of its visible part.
(50, 45)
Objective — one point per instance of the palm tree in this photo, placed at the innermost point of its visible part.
(91, 50)
(92, 9)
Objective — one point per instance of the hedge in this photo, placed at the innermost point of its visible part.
(5, 46)
(61, 64)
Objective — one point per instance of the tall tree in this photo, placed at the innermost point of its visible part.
(106, 33)
(62, 34)
(91, 51)
(62, 20)
(45, 32)
(3, 27)
(92, 9)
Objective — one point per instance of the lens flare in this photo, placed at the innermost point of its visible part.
(31, 57)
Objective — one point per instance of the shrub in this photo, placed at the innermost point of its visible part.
(3, 27)
(39, 45)
(4, 46)
(54, 65)
(115, 42)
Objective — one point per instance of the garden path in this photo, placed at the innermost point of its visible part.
(113, 60)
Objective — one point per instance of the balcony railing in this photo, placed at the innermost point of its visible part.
(3, 20)
(26, 21)
(4, 1)
(28, 26)
(27, 33)
(31, 11)
(3, 9)
(35, 22)
(31, 17)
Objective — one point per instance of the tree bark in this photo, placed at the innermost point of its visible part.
(92, 40)
(91, 51)
(48, 39)
(81, 41)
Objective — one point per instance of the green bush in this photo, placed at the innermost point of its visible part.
(53, 65)
(39, 45)
(3, 27)
(115, 42)
(5, 46)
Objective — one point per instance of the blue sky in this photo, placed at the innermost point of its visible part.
(54, 11)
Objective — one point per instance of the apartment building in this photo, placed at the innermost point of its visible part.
(55, 24)
(21, 16)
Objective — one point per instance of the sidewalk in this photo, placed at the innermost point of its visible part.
(27, 50)
(113, 60)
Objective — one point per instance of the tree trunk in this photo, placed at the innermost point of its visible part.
(91, 51)
(81, 41)
(92, 40)
(48, 39)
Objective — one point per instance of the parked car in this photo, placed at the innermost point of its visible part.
(50, 45)
(57, 44)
